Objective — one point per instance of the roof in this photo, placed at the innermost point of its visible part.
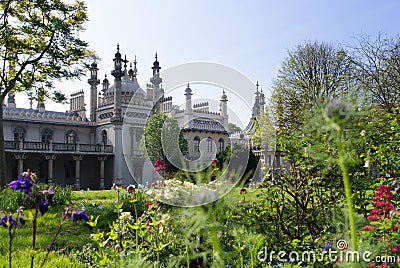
(34, 115)
(206, 125)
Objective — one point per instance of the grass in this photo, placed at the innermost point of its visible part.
(73, 236)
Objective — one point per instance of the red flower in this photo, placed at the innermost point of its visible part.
(369, 228)
(243, 191)
(373, 218)
(395, 228)
(159, 165)
(148, 204)
(154, 184)
(395, 249)
(130, 189)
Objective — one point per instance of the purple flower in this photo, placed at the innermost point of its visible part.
(79, 216)
(8, 222)
(50, 194)
(23, 184)
(328, 246)
(43, 206)
(397, 190)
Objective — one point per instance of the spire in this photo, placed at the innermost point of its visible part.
(156, 66)
(257, 87)
(125, 61)
(223, 97)
(130, 72)
(134, 67)
(188, 90)
(118, 54)
(105, 84)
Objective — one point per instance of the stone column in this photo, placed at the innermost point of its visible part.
(77, 159)
(50, 161)
(102, 159)
(20, 157)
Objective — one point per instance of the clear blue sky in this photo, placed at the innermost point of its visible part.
(250, 36)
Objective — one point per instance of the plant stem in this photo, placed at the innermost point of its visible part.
(347, 188)
(10, 249)
(34, 228)
(52, 243)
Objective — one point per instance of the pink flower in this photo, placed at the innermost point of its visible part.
(148, 204)
(395, 228)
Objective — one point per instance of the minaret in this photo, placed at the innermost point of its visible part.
(188, 107)
(117, 73)
(117, 117)
(93, 82)
(262, 101)
(156, 80)
(105, 84)
(224, 110)
(133, 72)
(256, 107)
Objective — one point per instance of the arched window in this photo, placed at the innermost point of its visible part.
(196, 146)
(209, 144)
(104, 137)
(19, 134)
(71, 137)
(221, 146)
(47, 135)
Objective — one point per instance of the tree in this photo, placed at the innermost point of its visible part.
(233, 153)
(233, 128)
(377, 64)
(39, 42)
(163, 140)
(265, 132)
(312, 74)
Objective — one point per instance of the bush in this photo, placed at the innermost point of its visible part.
(10, 199)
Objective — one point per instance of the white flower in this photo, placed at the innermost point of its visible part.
(363, 132)
(366, 165)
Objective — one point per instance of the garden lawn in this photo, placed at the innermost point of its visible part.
(73, 236)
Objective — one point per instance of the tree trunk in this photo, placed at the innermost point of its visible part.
(3, 179)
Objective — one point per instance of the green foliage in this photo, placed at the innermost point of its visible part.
(265, 132)
(311, 75)
(233, 128)
(163, 140)
(224, 157)
(39, 42)
(376, 61)
(12, 199)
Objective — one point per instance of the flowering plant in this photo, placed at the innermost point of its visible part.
(383, 219)
(159, 165)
